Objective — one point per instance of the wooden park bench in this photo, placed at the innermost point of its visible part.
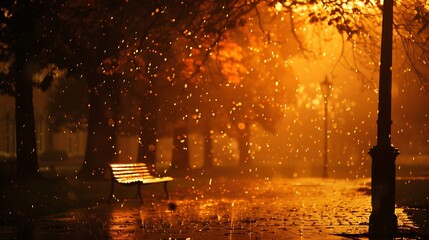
(135, 174)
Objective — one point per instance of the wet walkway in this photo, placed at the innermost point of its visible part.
(220, 209)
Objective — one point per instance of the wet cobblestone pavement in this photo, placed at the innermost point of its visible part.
(220, 209)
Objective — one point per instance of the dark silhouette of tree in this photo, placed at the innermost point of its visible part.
(208, 135)
(38, 32)
(24, 39)
(148, 129)
(180, 155)
(90, 39)
(173, 99)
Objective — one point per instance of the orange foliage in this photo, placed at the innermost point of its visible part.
(230, 56)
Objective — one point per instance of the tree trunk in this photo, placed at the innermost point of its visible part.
(180, 157)
(148, 132)
(26, 148)
(22, 29)
(208, 147)
(243, 140)
(101, 139)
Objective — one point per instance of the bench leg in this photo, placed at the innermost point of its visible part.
(166, 190)
(139, 193)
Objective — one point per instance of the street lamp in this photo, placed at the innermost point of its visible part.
(383, 221)
(326, 87)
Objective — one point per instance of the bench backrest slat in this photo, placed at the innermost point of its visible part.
(129, 172)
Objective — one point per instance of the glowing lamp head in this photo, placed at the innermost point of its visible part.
(326, 87)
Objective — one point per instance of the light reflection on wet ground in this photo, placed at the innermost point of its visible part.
(224, 209)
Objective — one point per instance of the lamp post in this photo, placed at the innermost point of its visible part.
(383, 221)
(326, 87)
